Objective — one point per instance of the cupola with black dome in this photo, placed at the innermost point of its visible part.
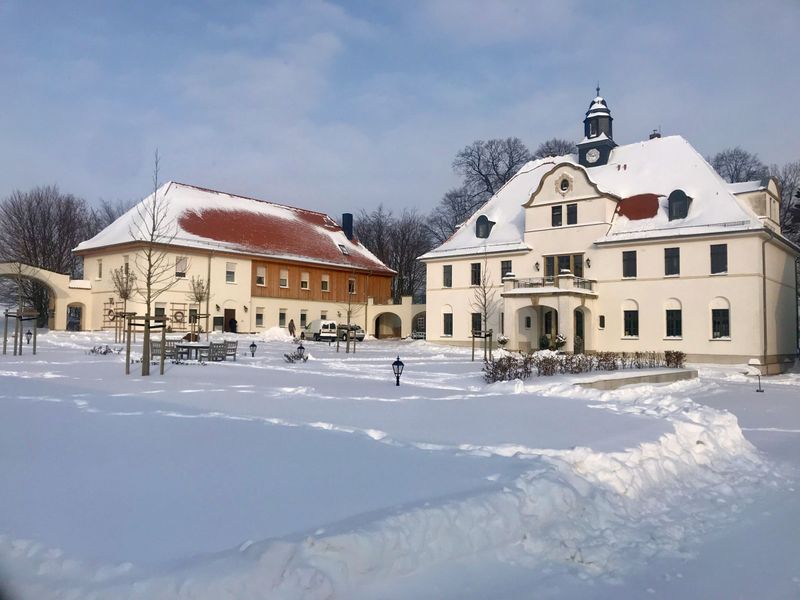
(598, 141)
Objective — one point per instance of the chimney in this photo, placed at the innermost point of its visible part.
(347, 225)
(656, 134)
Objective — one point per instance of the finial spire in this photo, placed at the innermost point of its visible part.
(598, 88)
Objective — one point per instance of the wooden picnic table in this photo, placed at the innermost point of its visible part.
(191, 348)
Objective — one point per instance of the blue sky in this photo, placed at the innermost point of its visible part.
(337, 106)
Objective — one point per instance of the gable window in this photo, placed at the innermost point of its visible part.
(678, 205)
(483, 226)
(505, 268)
(447, 276)
(351, 286)
(719, 258)
(230, 272)
(555, 216)
(261, 276)
(447, 325)
(674, 323)
(629, 263)
(304, 280)
(343, 249)
(475, 274)
(672, 261)
(572, 214)
(284, 279)
(476, 322)
(720, 323)
(181, 263)
(325, 284)
(631, 323)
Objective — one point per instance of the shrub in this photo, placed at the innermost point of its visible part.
(578, 349)
(674, 359)
(544, 342)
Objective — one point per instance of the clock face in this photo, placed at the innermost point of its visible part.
(592, 155)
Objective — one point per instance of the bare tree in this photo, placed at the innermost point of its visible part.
(199, 293)
(788, 177)
(736, 165)
(487, 166)
(455, 208)
(155, 229)
(39, 228)
(106, 213)
(555, 147)
(484, 296)
(124, 281)
(397, 242)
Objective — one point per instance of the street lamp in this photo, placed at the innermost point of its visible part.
(28, 336)
(397, 367)
(301, 350)
(253, 348)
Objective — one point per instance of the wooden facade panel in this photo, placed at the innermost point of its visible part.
(373, 286)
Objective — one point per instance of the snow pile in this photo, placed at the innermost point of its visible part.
(276, 334)
(599, 513)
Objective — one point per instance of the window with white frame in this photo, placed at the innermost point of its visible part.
(325, 284)
(230, 272)
(303, 318)
(282, 317)
(323, 315)
(351, 286)
(284, 281)
(304, 276)
(261, 276)
(259, 316)
(181, 264)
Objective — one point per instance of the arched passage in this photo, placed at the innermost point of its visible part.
(30, 296)
(387, 325)
(419, 323)
(76, 316)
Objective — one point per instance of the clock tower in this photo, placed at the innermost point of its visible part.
(597, 143)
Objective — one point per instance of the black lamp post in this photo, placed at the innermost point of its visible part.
(301, 350)
(28, 336)
(253, 348)
(397, 367)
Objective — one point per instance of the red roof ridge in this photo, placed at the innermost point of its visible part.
(213, 191)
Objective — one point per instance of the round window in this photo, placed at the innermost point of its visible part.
(564, 185)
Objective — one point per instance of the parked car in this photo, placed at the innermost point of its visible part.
(321, 330)
(417, 335)
(355, 332)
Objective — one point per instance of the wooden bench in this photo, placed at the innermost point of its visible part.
(230, 349)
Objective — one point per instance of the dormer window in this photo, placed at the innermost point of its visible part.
(678, 205)
(343, 249)
(483, 226)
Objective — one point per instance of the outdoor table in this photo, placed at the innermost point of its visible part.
(191, 349)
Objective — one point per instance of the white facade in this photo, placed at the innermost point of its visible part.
(740, 308)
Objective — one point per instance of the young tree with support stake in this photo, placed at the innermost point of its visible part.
(484, 300)
(155, 229)
(124, 281)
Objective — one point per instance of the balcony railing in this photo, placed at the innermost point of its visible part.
(561, 282)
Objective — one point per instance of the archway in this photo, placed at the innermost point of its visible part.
(76, 315)
(526, 328)
(32, 297)
(582, 330)
(418, 323)
(387, 325)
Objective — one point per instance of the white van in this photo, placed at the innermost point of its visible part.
(321, 330)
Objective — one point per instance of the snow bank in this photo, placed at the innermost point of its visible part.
(600, 513)
(276, 334)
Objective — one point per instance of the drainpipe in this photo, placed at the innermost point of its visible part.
(796, 308)
(764, 290)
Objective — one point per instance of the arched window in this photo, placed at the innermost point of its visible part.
(630, 318)
(674, 318)
(678, 205)
(483, 226)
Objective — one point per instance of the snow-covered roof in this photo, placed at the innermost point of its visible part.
(211, 220)
(748, 186)
(655, 167)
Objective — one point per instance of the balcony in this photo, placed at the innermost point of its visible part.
(566, 282)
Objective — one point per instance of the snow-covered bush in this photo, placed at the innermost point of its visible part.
(675, 359)
(502, 340)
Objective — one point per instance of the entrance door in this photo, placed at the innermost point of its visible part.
(580, 338)
(230, 320)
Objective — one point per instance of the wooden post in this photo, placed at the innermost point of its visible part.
(128, 347)
(163, 347)
(5, 331)
(473, 346)
(146, 346)
(16, 333)
(35, 329)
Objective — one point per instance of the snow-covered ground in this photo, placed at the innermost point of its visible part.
(263, 479)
